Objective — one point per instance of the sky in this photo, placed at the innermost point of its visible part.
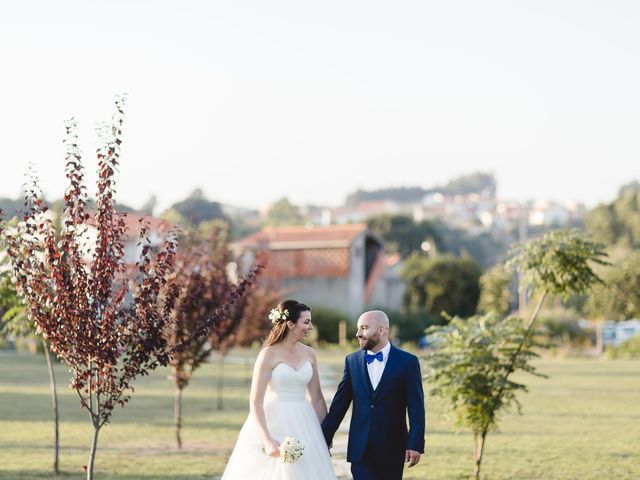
(254, 100)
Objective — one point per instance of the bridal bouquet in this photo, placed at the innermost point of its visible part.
(291, 450)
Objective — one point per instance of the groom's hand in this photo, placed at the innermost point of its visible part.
(412, 457)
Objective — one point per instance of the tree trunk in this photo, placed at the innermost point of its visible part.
(478, 450)
(177, 410)
(54, 404)
(220, 380)
(92, 454)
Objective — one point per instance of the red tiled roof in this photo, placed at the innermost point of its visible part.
(276, 238)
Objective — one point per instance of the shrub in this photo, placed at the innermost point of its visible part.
(327, 320)
(560, 327)
(410, 326)
(627, 349)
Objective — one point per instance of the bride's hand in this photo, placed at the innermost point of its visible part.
(272, 448)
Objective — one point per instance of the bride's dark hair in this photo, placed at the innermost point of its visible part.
(279, 331)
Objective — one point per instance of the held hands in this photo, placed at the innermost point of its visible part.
(412, 457)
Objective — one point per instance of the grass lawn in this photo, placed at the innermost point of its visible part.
(581, 423)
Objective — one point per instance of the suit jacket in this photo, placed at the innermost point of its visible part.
(379, 416)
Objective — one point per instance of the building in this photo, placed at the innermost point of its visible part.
(337, 266)
(615, 333)
(158, 229)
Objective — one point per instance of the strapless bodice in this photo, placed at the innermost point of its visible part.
(287, 383)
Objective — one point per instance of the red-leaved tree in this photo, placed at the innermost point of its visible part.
(204, 284)
(77, 290)
(253, 324)
(103, 319)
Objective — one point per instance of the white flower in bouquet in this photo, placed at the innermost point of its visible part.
(291, 450)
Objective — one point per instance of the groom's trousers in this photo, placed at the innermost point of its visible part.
(368, 468)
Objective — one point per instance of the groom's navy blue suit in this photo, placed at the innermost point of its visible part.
(378, 435)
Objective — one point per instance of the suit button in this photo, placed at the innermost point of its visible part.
(372, 406)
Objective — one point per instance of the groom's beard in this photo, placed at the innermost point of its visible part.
(371, 343)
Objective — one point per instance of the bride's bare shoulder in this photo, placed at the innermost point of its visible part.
(307, 350)
(267, 353)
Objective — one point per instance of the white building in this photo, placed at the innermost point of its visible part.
(615, 333)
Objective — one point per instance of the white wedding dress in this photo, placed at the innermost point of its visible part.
(288, 414)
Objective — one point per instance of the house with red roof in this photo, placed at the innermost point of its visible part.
(157, 234)
(338, 266)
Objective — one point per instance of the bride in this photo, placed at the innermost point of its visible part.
(285, 369)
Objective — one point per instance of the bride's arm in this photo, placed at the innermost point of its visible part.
(315, 392)
(259, 382)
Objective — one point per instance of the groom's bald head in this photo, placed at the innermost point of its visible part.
(373, 329)
(378, 317)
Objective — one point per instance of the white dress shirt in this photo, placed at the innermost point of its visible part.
(376, 368)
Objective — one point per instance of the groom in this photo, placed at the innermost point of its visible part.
(384, 383)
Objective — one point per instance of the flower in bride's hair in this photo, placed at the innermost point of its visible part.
(276, 315)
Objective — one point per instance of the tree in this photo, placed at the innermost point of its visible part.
(13, 316)
(15, 320)
(77, 293)
(196, 208)
(246, 323)
(402, 235)
(283, 213)
(602, 224)
(255, 308)
(487, 248)
(255, 323)
(469, 366)
(474, 360)
(473, 183)
(442, 284)
(619, 222)
(10, 207)
(627, 212)
(495, 292)
(200, 275)
(618, 296)
(397, 194)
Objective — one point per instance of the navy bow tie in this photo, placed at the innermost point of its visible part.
(370, 358)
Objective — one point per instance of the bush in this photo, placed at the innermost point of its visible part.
(628, 349)
(561, 328)
(326, 321)
(410, 326)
